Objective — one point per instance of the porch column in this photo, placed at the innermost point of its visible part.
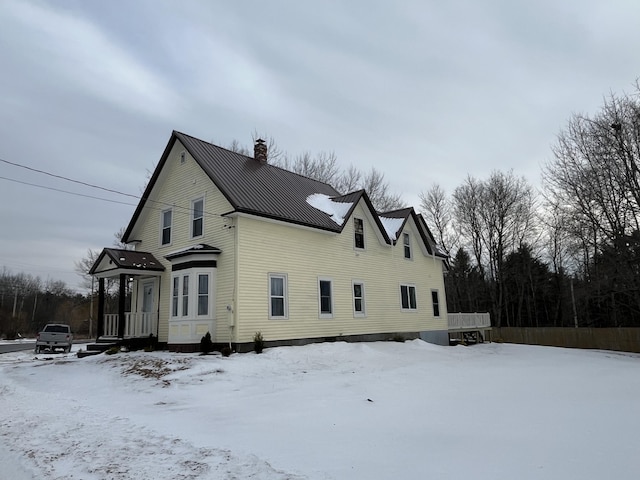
(100, 328)
(121, 304)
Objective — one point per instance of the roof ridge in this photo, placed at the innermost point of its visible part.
(253, 158)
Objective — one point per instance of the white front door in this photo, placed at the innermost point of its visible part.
(147, 307)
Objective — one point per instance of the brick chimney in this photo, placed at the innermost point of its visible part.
(260, 151)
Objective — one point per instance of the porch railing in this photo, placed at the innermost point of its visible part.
(469, 321)
(141, 324)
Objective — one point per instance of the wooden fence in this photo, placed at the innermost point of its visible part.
(618, 339)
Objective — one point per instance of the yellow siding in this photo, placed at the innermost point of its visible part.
(303, 255)
(177, 185)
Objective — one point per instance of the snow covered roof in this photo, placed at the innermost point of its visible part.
(392, 226)
(336, 210)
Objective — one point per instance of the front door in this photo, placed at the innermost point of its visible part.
(147, 306)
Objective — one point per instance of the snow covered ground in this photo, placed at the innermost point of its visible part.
(325, 411)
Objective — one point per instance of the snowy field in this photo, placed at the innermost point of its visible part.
(325, 411)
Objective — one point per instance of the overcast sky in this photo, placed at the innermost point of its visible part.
(425, 91)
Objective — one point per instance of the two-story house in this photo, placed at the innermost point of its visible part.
(231, 245)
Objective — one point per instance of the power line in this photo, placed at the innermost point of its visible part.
(110, 190)
(61, 177)
(66, 191)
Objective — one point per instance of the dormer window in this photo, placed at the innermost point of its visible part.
(406, 240)
(358, 227)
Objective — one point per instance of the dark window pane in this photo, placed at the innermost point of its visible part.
(277, 286)
(203, 284)
(412, 297)
(325, 288)
(277, 307)
(358, 305)
(325, 305)
(357, 290)
(405, 296)
(197, 227)
(203, 304)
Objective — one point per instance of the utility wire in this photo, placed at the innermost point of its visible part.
(65, 191)
(68, 179)
(62, 177)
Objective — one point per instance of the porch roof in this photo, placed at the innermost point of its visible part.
(115, 261)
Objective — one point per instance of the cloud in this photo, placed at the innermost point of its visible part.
(77, 55)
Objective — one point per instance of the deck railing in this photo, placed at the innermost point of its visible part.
(469, 321)
(140, 324)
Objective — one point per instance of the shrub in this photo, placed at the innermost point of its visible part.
(206, 345)
(226, 351)
(113, 350)
(258, 342)
(398, 338)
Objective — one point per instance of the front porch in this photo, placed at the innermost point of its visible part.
(137, 276)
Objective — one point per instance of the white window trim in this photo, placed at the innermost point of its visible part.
(363, 313)
(162, 212)
(404, 246)
(364, 240)
(175, 297)
(320, 313)
(193, 294)
(285, 294)
(433, 304)
(415, 290)
(197, 294)
(192, 218)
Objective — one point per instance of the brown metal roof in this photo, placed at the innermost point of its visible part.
(260, 188)
(129, 260)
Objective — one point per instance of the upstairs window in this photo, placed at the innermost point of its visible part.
(406, 240)
(326, 298)
(436, 303)
(408, 297)
(358, 226)
(197, 217)
(165, 235)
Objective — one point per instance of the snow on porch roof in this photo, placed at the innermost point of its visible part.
(111, 259)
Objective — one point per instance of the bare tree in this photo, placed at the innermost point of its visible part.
(377, 188)
(437, 210)
(495, 216)
(349, 180)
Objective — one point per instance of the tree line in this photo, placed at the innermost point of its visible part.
(566, 255)
(27, 303)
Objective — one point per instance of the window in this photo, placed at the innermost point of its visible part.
(408, 296)
(191, 294)
(166, 227)
(197, 217)
(326, 299)
(358, 226)
(185, 295)
(406, 240)
(277, 296)
(174, 297)
(203, 294)
(358, 299)
(436, 303)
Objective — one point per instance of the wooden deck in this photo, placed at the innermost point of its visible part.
(469, 327)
